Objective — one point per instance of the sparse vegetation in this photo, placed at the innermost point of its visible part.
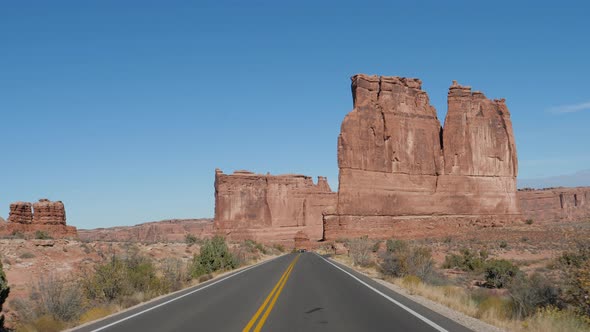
(4, 291)
(360, 251)
(42, 235)
(121, 281)
(402, 259)
(27, 255)
(499, 272)
(190, 239)
(529, 221)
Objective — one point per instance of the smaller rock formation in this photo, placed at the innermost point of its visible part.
(47, 212)
(21, 213)
(45, 216)
(271, 208)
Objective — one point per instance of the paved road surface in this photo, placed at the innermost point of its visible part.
(295, 292)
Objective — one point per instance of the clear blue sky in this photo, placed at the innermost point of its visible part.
(123, 111)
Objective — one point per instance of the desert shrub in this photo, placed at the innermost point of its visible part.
(27, 255)
(402, 259)
(173, 274)
(190, 239)
(503, 244)
(42, 235)
(396, 245)
(214, 256)
(279, 247)
(18, 235)
(109, 281)
(529, 221)
(468, 260)
(4, 291)
(60, 298)
(528, 294)
(360, 251)
(499, 272)
(578, 287)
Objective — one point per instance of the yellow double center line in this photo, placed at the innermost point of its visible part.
(274, 295)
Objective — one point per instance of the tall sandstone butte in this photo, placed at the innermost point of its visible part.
(397, 164)
(271, 208)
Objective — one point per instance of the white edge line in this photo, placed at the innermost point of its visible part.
(422, 318)
(181, 296)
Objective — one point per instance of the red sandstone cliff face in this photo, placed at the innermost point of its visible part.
(49, 213)
(396, 162)
(46, 216)
(555, 204)
(270, 208)
(174, 230)
(20, 212)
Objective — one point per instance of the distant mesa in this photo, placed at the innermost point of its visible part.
(28, 218)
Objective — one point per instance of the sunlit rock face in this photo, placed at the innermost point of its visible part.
(271, 208)
(396, 161)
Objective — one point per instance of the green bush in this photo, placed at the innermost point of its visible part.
(576, 267)
(499, 272)
(190, 239)
(109, 281)
(467, 261)
(4, 291)
(396, 245)
(214, 256)
(42, 235)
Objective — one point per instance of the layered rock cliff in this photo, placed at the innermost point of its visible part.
(21, 213)
(271, 208)
(555, 204)
(396, 161)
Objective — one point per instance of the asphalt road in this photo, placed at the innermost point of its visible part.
(295, 292)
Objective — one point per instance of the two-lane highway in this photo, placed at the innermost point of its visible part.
(295, 292)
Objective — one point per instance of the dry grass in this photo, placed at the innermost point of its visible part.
(494, 309)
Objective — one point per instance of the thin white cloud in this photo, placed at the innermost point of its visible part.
(570, 108)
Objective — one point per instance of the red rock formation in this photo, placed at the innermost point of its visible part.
(396, 163)
(480, 155)
(174, 230)
(48, 217)
(21, 213)
(555, 204)
(270, 208)
(47, 212)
